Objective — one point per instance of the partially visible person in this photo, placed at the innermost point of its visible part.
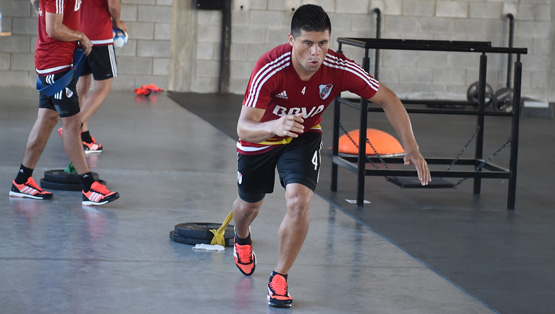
(97, 21)
(35, 4)
(58, 37)
(279, 127)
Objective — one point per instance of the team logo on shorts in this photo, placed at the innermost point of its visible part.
(325, 90)
(69, 93)
(239, 177)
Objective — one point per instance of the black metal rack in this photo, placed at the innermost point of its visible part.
(358, 164)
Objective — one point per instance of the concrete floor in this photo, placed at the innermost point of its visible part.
(503, 257)
(171, 167)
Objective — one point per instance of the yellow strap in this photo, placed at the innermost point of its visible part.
(284, 141)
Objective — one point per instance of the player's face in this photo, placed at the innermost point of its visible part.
(309, 51)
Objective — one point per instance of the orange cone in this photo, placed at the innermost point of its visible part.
(385, 144)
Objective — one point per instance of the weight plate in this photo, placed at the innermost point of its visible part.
(60, 176)
(503, 100)
(49, 185)
(177, 238)
(201, 230)
(472, 93)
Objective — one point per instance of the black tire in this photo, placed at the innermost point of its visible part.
(60, 176)
(201, 230)
(193, 241)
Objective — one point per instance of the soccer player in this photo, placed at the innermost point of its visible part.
(97, 20)
(279, 126)
(58, 35)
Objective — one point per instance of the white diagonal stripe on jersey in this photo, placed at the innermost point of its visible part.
(263, 75)
(356, 67)
(60, 7)
(371, 83)
(270, 64)
(352, 67)
(264, 81)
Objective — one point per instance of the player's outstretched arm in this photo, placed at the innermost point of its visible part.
(399, 118)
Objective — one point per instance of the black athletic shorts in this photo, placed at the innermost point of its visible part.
(101, 62)
(65, 102)
(296, 162)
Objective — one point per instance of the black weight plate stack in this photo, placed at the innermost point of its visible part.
(199, 233)
(58, 179)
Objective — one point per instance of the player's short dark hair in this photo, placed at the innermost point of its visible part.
(310, 18)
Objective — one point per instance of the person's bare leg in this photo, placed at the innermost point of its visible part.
(83, 86)
(38, 137)
(244, 214)
(294, 226)
(73, 144)
(94, 99)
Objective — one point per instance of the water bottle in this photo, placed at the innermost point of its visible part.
(0, 20)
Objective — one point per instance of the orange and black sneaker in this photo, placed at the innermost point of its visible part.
(278, 293)
(99, 194)
(29, 189)
(89, 148)
(245, 259)
(92, 147)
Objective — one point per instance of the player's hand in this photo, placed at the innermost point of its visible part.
(121, 25)
(86, 44)
(289, 126)
(416, 158)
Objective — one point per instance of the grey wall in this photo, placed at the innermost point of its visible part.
(143, 60)
(176, 46)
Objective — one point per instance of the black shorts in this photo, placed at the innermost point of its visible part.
(101, 62)
(65, 102)
(296, 162)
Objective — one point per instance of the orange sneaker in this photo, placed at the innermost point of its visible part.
(99, 195)
(278, 293)
(29, 189)
(93, 147)
(245, 259)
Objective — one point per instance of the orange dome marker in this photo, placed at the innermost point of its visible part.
(385, 144)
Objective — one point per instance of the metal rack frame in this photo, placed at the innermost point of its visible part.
(358, 164)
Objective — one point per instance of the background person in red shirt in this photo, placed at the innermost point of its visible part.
(97, 21)
(58, 35)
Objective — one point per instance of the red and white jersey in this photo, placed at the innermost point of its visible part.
(51, 55)
(96, 22)
(276, 87)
